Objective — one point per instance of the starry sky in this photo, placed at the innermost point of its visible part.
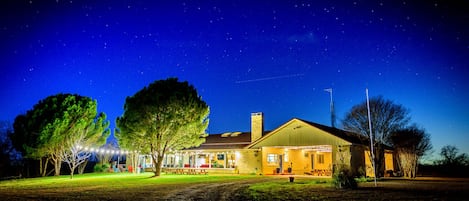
(275, 57)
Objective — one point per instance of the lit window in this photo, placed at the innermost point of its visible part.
(285, 156)
(321, 158)
(272, 158)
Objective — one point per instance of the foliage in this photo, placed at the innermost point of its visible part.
(451, 157)
(166, 115)
(452, 163)
(101, 167)
(94, 132)
(55, 125)
(363, 179)
(410, 144)
(343, 178)
(386, 118)
(9, 157)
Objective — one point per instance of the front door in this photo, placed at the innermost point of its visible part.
(312, 161)
(280, 162)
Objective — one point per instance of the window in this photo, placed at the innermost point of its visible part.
(272, 158)
(285, 156)
(321, 158)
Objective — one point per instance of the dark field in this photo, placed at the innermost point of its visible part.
(225, 187)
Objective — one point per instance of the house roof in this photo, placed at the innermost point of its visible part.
(345, 135)
(240, 140)
(228, 140)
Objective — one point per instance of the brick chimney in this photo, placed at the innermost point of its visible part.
(257, 125)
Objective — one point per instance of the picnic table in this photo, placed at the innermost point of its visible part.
(192, 171)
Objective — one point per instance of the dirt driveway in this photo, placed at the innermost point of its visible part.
(215, 191)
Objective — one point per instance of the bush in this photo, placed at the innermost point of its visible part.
(343, 178)
(101, 168)
(362, 179)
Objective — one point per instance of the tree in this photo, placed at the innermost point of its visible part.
(452, 163)
(8, 155)
(53, 126)
(166, 115)
(451, 158)
(386, 117)
(410, 144)
(93, 132)
(25, 139)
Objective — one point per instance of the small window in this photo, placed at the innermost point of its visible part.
(272, 158)
(321, 158)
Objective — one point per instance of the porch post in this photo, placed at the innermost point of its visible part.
(195, 159)
(225, 159)
(210, 160)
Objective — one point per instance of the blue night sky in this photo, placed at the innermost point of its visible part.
(275, 57)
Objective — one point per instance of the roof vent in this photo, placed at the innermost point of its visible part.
(235, 134)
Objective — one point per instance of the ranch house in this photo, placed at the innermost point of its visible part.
(295, 147)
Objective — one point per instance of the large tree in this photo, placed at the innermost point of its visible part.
(93, 131)
(166, 115)
(386, 117)
(55, 125)
(410, 144)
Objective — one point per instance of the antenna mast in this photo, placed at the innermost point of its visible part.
(332, 107)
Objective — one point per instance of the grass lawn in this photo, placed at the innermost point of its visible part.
(123, 186)
(387, 189)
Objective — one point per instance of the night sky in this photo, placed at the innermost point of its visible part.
(275, 57)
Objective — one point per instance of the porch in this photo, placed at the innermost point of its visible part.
(202, 159)
(298, 160)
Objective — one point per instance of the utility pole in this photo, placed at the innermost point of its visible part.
(371, 136)
(331, 107)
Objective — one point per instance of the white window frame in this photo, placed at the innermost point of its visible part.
(272, 158)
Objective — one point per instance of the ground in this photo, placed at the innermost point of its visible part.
(188, 187)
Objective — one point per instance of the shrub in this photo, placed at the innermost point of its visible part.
(343, 178)
(98, 168)
(362, 179)
(101, 168)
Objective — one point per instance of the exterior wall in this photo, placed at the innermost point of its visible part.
(388, 162)
(299, 160)
(297, 133)
(369, 168)
(357, 160)
(248, 162)
(326, 164)
(269, 168)
(343, 155)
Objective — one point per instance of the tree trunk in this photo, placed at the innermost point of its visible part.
(81, 167)
(57, 166)
(43, 166)
(72, 170)
(41, 169)
(157, 161)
